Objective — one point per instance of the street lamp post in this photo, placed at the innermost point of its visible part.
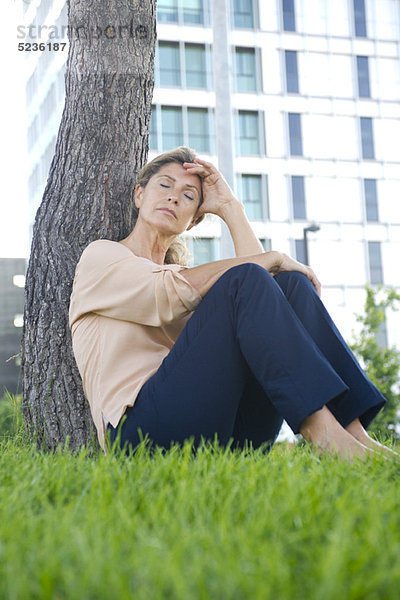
(313, 227)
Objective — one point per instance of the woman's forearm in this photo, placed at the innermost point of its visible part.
(244, 238)
(204, 276)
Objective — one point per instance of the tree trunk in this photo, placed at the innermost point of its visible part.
(102, 143)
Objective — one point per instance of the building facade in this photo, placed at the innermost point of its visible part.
(297, 101)
(12, 280)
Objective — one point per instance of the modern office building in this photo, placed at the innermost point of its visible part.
(297, 101)
(12, 280)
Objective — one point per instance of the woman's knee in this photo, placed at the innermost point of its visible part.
(248, 270)
(290, 279)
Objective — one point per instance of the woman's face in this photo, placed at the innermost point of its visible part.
(170, 200)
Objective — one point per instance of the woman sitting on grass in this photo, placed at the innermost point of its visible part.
(226, 349)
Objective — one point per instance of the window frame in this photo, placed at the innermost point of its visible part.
(257, 69)
(364, 134)
(292, 137)
(295, 53)
(375, 207)
(255, 14)
(292, 199)
(156, 109)
(261, 132)
(361, 79)
(375, 268)
(264, 200)
(357, 23)
(292, 13)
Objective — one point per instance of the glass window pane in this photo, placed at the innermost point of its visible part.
(363, 76)
(203, 250)
(249, 133)
(246, 70)
(266, 244)
(371, 200)
(199, 131)
(243, 13)
(292, 76)
(172, 135)
(153, 129)
(300, 251)
(195, 59)
(296, 144)
(251, 196)
(367, 137)
(167, 11)
(381, 335)
(170, 67)
(360, 24)
(193, 11)
(298, 197)
(375, 262)
(289, 22)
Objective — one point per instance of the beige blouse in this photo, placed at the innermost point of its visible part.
(125, 315)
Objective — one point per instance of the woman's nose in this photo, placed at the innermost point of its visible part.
(172, 198)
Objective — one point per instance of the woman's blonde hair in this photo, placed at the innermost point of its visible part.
(177, 253)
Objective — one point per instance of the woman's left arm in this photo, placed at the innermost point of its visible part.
(243, 236)
(218, 199)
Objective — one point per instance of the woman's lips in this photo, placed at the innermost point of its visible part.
(168, 210)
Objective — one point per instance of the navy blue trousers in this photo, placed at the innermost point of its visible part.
(258, 349)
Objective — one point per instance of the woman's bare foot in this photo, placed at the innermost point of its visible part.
(357, 431)
(325, 433)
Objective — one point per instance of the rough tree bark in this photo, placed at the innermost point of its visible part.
(101, 145)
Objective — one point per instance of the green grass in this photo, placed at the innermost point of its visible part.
(219, 525)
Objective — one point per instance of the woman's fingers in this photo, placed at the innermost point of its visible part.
(202, 167)
(314, 280)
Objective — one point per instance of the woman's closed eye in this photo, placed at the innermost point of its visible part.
(164, 185)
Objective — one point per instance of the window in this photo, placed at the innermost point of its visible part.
(381, 335)
(167, 11)
(375, 263)
(172, 134)
(253, 193)
(182, 11)
(203, 250)
(34, 181)
(249, 133)
(246, 80)
(169, 64)
(48, 105)
(243, 13)
(292, 76)
(300, 250)
(153, 143)
(298, 197)
(371, 200)
(195, 66)
(360, 25)
(198, 129)
(172, 126)
(289, 22)
(193, 12)
(367, 137)
(363, 77)
(266, 244)
(33, 133)
(296, 144)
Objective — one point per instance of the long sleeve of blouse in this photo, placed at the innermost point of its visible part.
(111, 281)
